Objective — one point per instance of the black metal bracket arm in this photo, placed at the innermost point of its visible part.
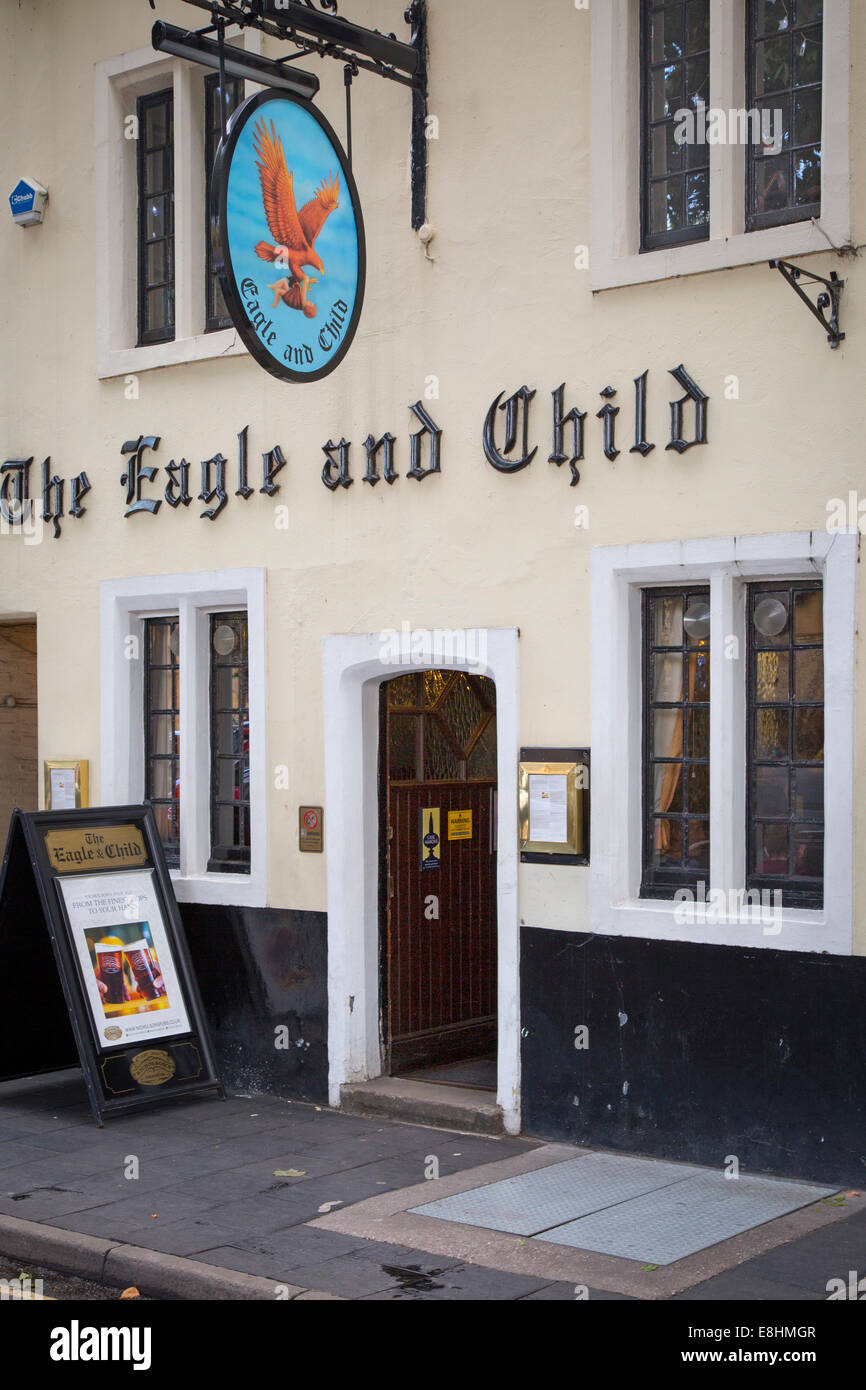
(327, 35)
(827, 299)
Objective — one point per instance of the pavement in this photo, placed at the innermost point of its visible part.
(261, 1198)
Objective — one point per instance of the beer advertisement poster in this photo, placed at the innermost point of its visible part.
(125, 957)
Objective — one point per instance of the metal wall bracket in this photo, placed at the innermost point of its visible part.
(312, 33)
(827, 299)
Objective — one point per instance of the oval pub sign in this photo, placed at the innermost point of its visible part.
(291, 253)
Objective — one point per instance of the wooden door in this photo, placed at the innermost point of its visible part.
(438, 799)
(19, 766)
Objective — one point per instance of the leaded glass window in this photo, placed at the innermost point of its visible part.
(785, 835)
(441, 727)
(162, 731)
(156, 218)
(784, 55)
(230, 743)
(675, 80)
(232, 95)
(676, 740)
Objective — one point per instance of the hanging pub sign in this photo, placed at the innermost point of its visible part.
(90, 936)
(291, 252)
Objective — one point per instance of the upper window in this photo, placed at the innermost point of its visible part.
(156, 217)
(783, 83)
(157, 127)
(675, 76)
(721, 135)
(232, 95)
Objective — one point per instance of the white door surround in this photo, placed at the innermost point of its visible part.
(353, 668)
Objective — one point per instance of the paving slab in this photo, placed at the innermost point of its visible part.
(115, 1220)
(456, 1283)
(742, 1285)
(568, 1293)
(356, 1275)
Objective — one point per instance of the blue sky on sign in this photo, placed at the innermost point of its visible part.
(311, 158)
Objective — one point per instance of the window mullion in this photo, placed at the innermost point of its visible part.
(727, 86)
(189, 202)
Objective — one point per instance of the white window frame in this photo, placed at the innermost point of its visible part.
(615, 180)
(619, 573)
(119, 82)
(124, 605)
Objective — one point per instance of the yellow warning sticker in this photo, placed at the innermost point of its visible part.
(459, 825)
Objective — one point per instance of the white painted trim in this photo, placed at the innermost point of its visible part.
(353, 668)
(618, 573)
(615, 257)
(124, 603)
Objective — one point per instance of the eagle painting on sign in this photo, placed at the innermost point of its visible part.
(298, 312)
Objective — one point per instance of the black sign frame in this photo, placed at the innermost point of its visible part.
(176, 1065)
(222, 261)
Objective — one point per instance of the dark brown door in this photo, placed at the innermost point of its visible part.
(19, 767)
(438, 798)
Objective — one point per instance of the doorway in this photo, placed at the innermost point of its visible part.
(438, 880)
(19, 765)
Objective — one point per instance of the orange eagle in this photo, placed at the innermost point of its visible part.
(294, 232)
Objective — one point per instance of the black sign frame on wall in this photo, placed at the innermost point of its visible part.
(133, 1014)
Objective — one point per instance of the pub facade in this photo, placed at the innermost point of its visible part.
(492, 664)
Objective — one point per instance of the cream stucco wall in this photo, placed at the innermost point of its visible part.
(500, 304)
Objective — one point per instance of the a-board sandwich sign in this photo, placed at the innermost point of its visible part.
(86, 902)
(289, 236)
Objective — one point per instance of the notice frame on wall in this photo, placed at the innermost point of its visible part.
(553, 805)
(66, 783)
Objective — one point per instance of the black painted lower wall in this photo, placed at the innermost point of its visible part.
(697, 1052)
(260, 970)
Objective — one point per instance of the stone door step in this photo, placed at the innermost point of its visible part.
(424, 1103)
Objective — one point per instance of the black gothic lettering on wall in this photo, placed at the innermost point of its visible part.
(693, 393)
(640, 445)
(218, 491)
(434, 434)
(243, 488)
(177, 488)
(80, 485)
(15, 510)
(16, 504)
(575, 418)
(52, 496)
(138, 473)
(341, 478)
(372, 447)
(515, 454)
(500, 461)
(272, 462)
(607, 415)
